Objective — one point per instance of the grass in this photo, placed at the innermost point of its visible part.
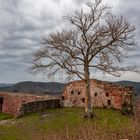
(4, 116)
(66, 124)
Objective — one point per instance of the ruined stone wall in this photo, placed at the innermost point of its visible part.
(103, 94)
(12, 102)
(33, 106)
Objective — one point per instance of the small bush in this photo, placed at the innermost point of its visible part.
(127, 109)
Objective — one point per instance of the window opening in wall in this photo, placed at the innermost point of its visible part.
(109, 102)
(72, 92)
(63, 98)
(1, 103)
(95, 94)
(83, 100)
(107, 94)
(79, 93)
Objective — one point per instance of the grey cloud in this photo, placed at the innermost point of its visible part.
(79, 1)
(23, 22)
(130, 10)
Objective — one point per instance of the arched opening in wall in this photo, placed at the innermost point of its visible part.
(1, 103)
(63, 98)
(108, 102)
(72, 92)
(79, 92)
(83, 100)
(107, 94)
(95, 94)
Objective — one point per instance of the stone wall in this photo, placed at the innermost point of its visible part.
(33, 106)
(12, 102)
(103, 94)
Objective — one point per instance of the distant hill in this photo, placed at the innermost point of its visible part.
(52, 87)
(5, 85)
(136, 85)
(35, 87)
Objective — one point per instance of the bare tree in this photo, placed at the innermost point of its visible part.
(96, 40)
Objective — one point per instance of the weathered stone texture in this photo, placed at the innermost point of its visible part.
(12, 102)
(103, 94)
(32, 106)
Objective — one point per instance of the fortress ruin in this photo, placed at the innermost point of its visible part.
(103, 94)
(18, 104)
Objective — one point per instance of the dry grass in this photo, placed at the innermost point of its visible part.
(90, 131)
(67, 124)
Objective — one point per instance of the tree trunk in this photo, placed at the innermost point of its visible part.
(88, 106)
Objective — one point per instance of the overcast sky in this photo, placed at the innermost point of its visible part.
(24, 22)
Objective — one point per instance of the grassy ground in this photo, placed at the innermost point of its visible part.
(68, 124)
(4, 116)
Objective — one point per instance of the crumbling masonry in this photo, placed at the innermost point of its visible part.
(18, 104)
(103, 94)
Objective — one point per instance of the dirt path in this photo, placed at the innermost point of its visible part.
(9, 121)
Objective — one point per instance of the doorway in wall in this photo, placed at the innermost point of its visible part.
(108, 103)
(1, 103)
